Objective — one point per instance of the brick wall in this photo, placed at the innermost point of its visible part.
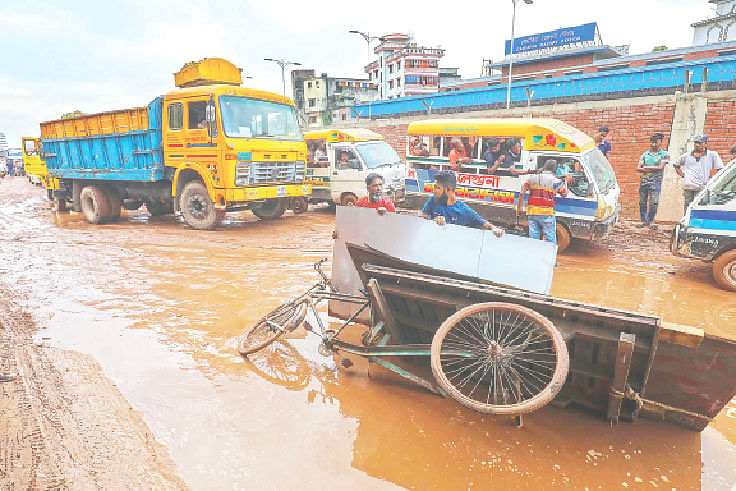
(631, 127)
(720, 126)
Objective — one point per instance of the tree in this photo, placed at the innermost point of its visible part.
(661, 47)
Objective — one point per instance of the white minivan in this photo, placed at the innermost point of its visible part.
(339, 160)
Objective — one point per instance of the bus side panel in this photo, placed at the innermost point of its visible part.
(127, 156)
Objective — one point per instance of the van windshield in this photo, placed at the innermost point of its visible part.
(601, 170)
(378, 154)
(252, 118)
(724, 190)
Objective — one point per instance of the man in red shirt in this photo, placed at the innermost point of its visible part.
(375, 198)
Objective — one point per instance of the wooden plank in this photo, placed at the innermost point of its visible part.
(384, 312)
(684, 335)
(621, 374)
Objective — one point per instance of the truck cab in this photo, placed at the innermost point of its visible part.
(340, 160)
(708, 229)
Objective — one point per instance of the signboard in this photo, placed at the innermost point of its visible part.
(553, 39)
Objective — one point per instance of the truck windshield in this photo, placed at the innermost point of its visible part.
(724, 190)
(378, 154)
(601, 170)
(252, 118)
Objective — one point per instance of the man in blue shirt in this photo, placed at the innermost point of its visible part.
(603, 145)
(444, 206)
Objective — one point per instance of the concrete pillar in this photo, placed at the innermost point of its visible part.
(687, 122)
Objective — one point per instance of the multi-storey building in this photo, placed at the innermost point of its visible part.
(297, 86)
(403, 68)
(717, 29)
(329, 99)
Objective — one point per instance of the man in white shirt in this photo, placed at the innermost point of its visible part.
(697, 167)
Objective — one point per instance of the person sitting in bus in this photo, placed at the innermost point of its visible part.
(319, 152)
(458, 156)
(375, 198)
(494, 157)
(444, 207)
(415, 147)
(513, 159)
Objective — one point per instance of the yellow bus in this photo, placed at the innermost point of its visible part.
(591, 207)
(35, 166)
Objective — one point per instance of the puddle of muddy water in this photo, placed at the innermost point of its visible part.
(160, 306)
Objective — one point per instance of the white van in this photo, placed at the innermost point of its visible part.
(340, 160)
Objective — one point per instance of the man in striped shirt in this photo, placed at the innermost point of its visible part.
(540, 212)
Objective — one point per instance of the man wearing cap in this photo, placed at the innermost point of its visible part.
(444, 207)
(651, 169)
(697, 167)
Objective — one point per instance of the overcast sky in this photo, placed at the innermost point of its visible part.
(97, 56)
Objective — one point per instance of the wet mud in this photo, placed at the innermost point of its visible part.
(160, 308)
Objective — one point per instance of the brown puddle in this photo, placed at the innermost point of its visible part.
(160, 307)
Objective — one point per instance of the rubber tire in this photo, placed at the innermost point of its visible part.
(299, 205)
(348, 200)
(546, 395)
(259, 335)
(271, 208)
(563, 238)
(94, 204)
(160, 208)
(114, 204)
(213, 216)
(726, 262)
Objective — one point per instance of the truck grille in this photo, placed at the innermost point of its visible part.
(269, 172)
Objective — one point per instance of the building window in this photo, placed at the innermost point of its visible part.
(309, 85)
(176, 116)
(390, 84)
(613, 67)
(398, 66)
(398, 82)
(343, 117)
(390, 69)
(312, 102)
(312, 119)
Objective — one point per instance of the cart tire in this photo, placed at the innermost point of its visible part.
(529, 349)
(270, 327)
(724, 270)
(271, 208)
(95, 205)
(197, 207)
(563, 238)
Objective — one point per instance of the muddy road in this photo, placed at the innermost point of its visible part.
(160, 307)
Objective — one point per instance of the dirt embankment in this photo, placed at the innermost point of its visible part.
(64, 424)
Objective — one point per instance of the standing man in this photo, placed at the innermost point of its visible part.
(603, 145)
(651, 169)
(457, 155)
(375, 198)
(444, 206)
(540, 210)
(697, 167)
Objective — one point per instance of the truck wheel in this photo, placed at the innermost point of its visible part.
(114, 204)
(271, 208)
(563, 238)
(197, 207)
(94, 204)
(299, 205)
(60, 204)
(159, 208)
(348, 200)
(724, 270)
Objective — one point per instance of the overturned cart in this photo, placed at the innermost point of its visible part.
(507, 350)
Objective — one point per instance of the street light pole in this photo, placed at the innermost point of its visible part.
(283, 64)
(368, 39)
(511, 50)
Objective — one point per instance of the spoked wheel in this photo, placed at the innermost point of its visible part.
(267, 330)
(499, 358)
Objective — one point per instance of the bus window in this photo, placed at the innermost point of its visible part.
(435, 149)
(419, 146)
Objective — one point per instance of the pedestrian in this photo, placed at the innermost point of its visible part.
(697, 167)
(444, 207)
(540, 210)
(375, 198)
(651, 169)
(601, 139)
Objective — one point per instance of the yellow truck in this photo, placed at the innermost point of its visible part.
(209, 147)
(35, 167)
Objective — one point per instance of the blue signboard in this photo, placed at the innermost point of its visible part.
(553, 39)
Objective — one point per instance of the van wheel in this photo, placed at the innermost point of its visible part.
(271, 208)
(197, 207)
(348, 200)
(563, 238)
(94, 204)
(724, 270)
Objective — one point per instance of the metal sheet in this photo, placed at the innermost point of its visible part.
(511, 260)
